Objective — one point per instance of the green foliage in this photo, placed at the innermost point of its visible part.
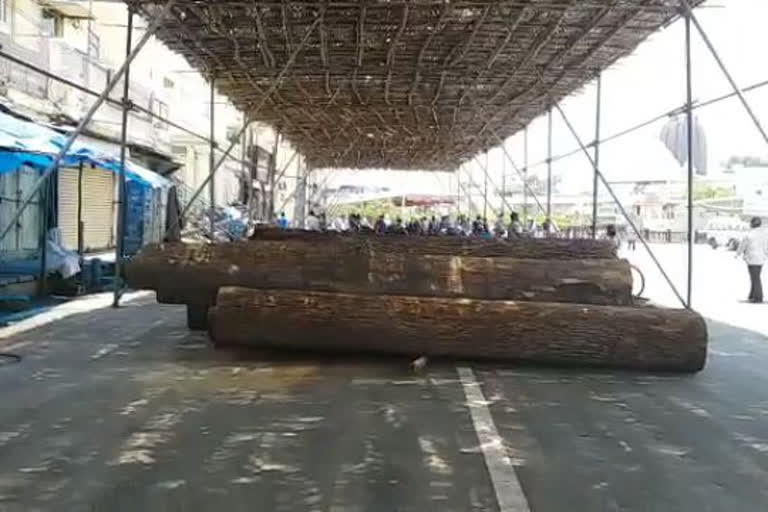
(705, 191)
(566, 220)
(369, 209)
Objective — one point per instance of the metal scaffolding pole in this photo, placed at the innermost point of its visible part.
(549, 164)
(595, 183)
(689, 120)
(272, 88)
(619, 205)
(468, 189)
(270, 204)
(87, 118)
(485, 188)
(691, 17)
(121, 191)
(518, 171)
(45, 202)
(212, 161)
(503, 183)
(525, 177)
(458, 191)
(134, 106)
(484, 168)
(468, 192)
(675, 111)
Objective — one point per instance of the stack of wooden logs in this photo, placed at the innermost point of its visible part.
(533, 300)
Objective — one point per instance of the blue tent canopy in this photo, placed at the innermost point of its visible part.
(27, 143)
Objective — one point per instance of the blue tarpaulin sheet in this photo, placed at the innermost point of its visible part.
(27, 143)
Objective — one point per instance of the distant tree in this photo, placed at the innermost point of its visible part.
(369, 209)
(704, 191)
(746, 161)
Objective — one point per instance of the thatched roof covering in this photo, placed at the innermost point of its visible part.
(422, 84)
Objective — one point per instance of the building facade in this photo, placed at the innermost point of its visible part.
(84, 42)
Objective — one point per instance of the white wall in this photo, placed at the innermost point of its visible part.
(158, 76)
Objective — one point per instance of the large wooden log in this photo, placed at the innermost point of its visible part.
(526, 248)
(192, 274)
(551, 333)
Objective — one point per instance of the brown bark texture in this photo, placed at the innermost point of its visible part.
(192, 274)
(646, 338)
(526, 248)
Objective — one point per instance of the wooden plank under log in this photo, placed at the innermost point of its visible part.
(192, 274)
(645, 338)
(533, 248)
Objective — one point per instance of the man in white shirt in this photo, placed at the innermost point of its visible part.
(313, 223)
(754, 250)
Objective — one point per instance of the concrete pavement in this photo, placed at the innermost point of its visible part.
(128, 410)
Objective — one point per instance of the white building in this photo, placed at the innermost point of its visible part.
(84, 42)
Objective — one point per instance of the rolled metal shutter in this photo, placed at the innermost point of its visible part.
(68, 207)
(98, 209)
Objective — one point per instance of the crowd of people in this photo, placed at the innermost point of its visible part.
(504, 227)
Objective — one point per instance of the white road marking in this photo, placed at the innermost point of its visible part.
(509, 494)
(105, 350)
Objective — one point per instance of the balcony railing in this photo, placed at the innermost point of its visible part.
(20, 78)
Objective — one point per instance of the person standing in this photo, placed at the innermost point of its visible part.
(612, 235)
(631, 238)
(515, 227)
(754, 250)
(380, 227)
(282, 222)
(313, 223)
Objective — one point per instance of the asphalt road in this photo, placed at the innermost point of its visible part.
(126, 409)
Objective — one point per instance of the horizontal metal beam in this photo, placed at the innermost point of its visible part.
(618, 204)
(87, 118)
(653, 120)
(708, 42)
(116, 103)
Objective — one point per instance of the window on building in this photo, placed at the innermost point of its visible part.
(232, 133)
(160, 108)
(5, 9)
(94, 44)
(54, 23)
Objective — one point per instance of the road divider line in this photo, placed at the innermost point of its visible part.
(509, 493)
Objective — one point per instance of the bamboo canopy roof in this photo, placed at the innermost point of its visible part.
(407, 84)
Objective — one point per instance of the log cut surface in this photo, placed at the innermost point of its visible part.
(192, 274)
(534, 248)
(551, 333)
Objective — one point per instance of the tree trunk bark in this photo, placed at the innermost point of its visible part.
(534, 248)
(192, 274)
(550, 333)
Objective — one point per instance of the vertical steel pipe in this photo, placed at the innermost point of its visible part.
(121, 189)
(87, 117)
(212, 163)
(80, 227)
(595, 184)
(620, 206)
(44, 198)
(689, 134)
(485, 188)
(691, 17)
(549, 164)
(272, 88)
(503, 182)
(525, 177)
